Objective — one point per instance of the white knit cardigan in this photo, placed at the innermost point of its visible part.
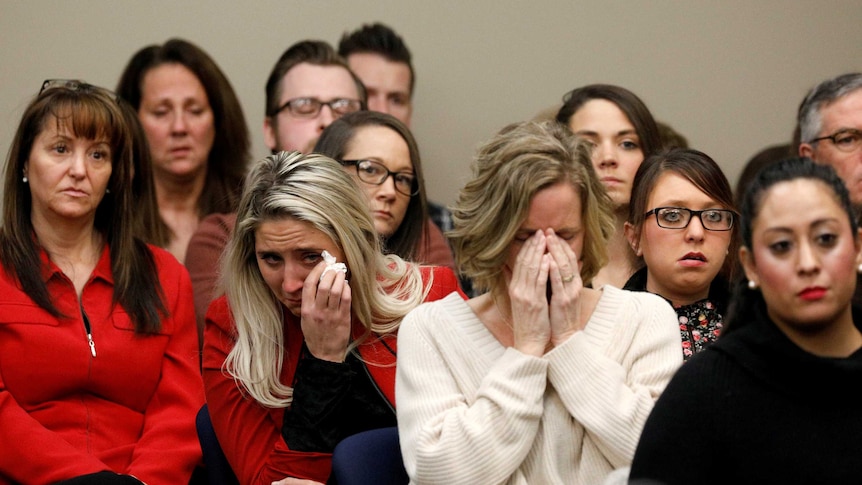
(473, 411)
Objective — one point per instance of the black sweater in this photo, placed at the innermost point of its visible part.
(755, 408)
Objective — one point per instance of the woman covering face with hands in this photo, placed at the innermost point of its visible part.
(541, 379)
(300, 352)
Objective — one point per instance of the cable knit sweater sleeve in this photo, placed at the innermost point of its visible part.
(449, 435)
(610, 375)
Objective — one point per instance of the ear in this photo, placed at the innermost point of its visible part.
(747, 260)
(633, 238)
(269, 132)
(806, 150)
(858, 243)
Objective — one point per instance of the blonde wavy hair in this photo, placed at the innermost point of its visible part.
(508, 170)
(317, 190)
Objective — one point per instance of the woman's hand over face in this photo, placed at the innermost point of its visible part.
(527, 289)
(326, 314)
(566, 284)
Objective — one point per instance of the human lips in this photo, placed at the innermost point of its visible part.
(812, 293)
(179, 151)
(382, 214)
(611, 181)
(75, 192)
(693, 259)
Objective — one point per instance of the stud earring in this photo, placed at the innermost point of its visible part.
(859, 269)
(24, 179)
(752, 285)
(107, 191)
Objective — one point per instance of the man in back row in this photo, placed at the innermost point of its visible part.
(829, 131)
(383, 62)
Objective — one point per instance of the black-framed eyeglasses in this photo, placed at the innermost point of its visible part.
(76, 85)
(846, 140)
(679, 217)
(310, 107)
(375, 173)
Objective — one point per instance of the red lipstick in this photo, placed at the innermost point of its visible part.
(812, 293)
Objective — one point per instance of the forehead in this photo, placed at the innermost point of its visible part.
(171, 79)
(798, 203)
(371, 67)
(77, 121)
(288, 234)
(844, 112)
(672, 188)
(323, 82)
(557, 206)
(597, 114)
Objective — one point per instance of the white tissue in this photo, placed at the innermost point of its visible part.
(331, 264)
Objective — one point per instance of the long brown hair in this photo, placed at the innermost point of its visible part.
(228, 158)
(90, 113)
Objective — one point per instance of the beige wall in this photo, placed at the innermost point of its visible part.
(729, 75)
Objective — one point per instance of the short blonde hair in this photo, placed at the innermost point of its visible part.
(508, 171)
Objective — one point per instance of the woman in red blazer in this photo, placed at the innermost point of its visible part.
(300, 352)
(98, 364)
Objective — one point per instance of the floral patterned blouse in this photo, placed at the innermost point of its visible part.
(699, 326)
(700, 323)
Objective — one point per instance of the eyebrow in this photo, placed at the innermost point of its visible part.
(594, 133)
(814, 224)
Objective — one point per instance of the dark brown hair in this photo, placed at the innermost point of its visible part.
(632, 106)
(228, 158)
(88, 113)
(696, 167)
(314, 52)
(334, 142)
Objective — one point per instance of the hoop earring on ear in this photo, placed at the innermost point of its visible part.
(752, 285)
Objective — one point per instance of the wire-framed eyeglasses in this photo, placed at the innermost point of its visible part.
(310, 107)
(846, 140)
(680, 217)
(375, 173)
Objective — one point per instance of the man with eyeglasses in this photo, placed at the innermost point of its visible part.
(830, 129)
(309, 87)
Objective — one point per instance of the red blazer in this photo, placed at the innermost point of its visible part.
(130, 408)
(250, 434)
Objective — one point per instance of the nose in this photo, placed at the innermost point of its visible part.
(386, 190)
(604, 155)
(695, 230)
(808, 260)
(292, 280)
(325, 117)
(78, 168)
(179, 124)
(379, 104)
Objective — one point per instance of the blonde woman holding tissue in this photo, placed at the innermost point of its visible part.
(300, 351)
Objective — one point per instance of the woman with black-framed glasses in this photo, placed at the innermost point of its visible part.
(681, 224)
(99, 379)
(382, 155)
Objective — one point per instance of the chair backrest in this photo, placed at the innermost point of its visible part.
(370, 457)
(218, 469)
